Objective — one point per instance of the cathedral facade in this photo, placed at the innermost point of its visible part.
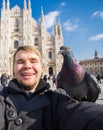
(18, 27)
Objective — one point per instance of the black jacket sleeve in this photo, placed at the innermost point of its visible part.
(72, 115)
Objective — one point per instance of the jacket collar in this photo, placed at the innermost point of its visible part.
(14, 87)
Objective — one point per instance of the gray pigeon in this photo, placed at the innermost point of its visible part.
(78, 83)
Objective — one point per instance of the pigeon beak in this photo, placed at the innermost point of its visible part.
(60, 52)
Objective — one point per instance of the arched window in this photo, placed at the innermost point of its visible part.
(36, 41)
(50, 71)
(16, 43)
(16, 28)
(50, 55)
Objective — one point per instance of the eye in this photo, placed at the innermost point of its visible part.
(34, 61)
(19, 62)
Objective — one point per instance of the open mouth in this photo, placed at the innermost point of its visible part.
(27, 75)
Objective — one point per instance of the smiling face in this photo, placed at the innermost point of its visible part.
(27, 68)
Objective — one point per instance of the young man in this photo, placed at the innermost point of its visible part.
(28, 103)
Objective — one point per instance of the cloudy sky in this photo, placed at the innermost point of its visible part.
(81, 20)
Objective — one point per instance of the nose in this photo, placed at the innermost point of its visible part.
(27, 65)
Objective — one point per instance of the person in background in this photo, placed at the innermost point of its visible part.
(4, 79)
(45, 77)
(29, 104)
(54, 80)
(98, 78)
(50, 81)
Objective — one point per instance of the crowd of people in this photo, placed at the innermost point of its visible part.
(51, 80)
(28, 103)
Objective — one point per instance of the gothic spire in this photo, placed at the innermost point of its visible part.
(59, 28)
(59, 22)
(96, 54)
(42, 15)
(3, 4)
(55, 27)
(25, 7)
(8, 4)
(29, 5)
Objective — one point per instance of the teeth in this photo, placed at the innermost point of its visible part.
(26, 74)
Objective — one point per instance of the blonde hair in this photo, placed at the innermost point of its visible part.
(27, 48)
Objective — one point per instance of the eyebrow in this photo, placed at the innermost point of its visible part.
(21, 59)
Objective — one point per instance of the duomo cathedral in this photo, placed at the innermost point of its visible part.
(18, 27)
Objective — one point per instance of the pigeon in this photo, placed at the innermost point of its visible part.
(77, 82)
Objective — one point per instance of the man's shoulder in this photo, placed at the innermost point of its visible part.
(57, 92)
(59, 95)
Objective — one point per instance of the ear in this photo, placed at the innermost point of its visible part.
(13, 71)
(42, 68)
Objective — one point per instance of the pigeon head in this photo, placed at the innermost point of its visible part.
(64, 50)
